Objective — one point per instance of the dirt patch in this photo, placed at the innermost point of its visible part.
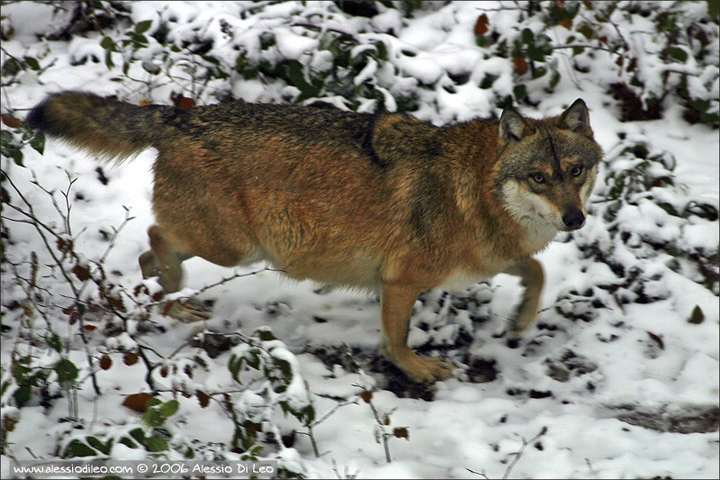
(671, 418)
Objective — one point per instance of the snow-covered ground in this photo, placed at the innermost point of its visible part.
(615, 384)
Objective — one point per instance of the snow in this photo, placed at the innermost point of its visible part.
(644, 355)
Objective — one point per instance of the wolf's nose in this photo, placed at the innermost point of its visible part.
(574, 220)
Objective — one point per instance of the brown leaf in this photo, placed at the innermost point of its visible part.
(181, 101)
(11, 121)
(105, 362)
(81, 273)
(203, 398)
(130, 358)
(145, 103)
(140, 288)
(481, 25)
(167, 307)
(89, 328)
(366, 395)
(632, 66)
(200, 361)
(401, 432)
(137, 401)
(657, 339)
(116, 303)
(567, 23)
(164, 371)
(65, 246)
(521, 66)
(186, 103)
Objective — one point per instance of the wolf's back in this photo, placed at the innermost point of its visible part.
(105, 127)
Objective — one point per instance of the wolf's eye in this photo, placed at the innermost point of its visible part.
(576, 171)
(538, 177)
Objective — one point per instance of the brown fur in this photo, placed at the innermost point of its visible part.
(384, 202)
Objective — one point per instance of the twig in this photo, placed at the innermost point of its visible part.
(310, 427)
(481, 474)
(519, 453)
(383, 434)
(348, 475)
(41, 228)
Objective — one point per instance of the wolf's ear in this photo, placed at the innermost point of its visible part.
(513, 126)
(576, 118)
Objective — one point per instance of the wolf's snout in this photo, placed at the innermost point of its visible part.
(574, 220)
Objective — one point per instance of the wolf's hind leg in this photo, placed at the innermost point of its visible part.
(165, 262)
(532, 278)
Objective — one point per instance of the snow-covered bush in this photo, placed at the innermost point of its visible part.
(642, 52)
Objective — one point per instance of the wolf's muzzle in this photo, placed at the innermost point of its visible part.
(574, 220)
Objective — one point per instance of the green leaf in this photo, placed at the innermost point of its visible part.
(22, 395)
(128, 442)
(108, 60)
(382, 51)
(295, 73)
(170, 408)
(587, 30)
(265, 335)
(143, 27)
(156, 444)
(108, 44)
(697, 316)
(572, 9)
(527, 36)
(535, 53)
(253, 359)
(235, 366)
(554, 79)
(77, 448)
(152, 418)
(520, 92)
(539, 72)
(66, 370)
(32, 63)
(17, 155)
(38, 143)
(11, 67)
(677, 53)
(138, 434)
(54, 341)
(99, 445)
(138, 40)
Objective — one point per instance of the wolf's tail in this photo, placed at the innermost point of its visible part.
(109, 128)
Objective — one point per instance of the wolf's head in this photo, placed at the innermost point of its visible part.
(547, 168)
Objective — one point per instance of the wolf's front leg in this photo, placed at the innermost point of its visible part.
(532, 278)
(397, 305)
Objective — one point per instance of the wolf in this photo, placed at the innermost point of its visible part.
(381, 202)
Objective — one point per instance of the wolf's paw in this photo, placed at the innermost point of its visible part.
(523, 319)
(420, 369)
(187, 311)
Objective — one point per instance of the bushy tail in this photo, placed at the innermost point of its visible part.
(109, 128)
